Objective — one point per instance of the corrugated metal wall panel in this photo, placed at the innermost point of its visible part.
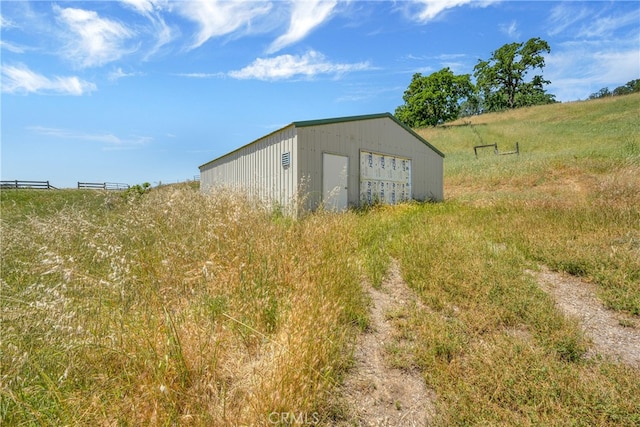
(257, 169)
(380, 135)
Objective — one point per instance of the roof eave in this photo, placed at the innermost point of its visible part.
(307, 123)
(367, 117)
(246, 145)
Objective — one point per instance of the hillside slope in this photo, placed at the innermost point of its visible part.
(567, 148)
(174, 308)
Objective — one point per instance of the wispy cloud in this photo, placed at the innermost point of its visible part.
(118, 74)
(565, 15)
(602, 53)
(110, 141)
(587, 22)
(20, 79)
(305, 16)
(457, 62)
(427, 10)
(11, 47)
(152, 10)
(218, 17)
(201, 75)
(308, 65)
(365, 91)
(144, 7)
(578, 69)
(92, 40)
(6, 23)
(510, 29)
(606, 26)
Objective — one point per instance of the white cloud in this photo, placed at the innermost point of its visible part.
(20, 79)
(164, 34)
(600, 55)
(218, 17)
(93, 41)
(511, 30)
(152, 10)
(201, 75)
(430, 9)
(457, 62)
(281, 67)
(118, 73)
(110, 140)
(583, 22)
(564, 16)
(606, 26)
(365, 91)
(578, 69)
(6, 23)
(305, 16)
(11, 47)
(141, 6)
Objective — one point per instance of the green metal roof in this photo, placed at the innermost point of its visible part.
(307, 123)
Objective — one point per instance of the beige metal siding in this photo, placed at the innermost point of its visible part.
(379, 135)
(257, 169)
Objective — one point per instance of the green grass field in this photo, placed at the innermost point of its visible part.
(175, 308)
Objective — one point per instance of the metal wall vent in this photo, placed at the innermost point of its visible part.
(286, 160)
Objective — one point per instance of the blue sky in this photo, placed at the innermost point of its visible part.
(147, 90)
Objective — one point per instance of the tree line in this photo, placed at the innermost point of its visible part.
(631, 87)
(502, 82)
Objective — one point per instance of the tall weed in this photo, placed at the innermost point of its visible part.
(174, 307)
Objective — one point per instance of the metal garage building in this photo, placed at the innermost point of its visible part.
(339, 162)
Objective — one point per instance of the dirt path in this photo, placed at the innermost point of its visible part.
(377, 394)
(577, 298)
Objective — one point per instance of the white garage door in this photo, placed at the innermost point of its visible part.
(384, 178)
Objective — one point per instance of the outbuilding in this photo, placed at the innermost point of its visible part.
(336, 163)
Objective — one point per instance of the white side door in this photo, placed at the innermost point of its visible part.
(335, 174)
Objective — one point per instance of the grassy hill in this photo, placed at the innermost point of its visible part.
(590, 138)
(579, 163)
(175, 308)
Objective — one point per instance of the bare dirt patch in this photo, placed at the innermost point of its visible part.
(613, 334)
(377, 394)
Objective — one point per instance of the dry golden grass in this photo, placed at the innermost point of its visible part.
(175, 308)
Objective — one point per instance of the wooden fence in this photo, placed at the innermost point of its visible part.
(17, 184)
(46, 185)
(516, 151)
(102, 186)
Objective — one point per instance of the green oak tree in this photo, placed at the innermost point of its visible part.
(434, 99)
(502, 79)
